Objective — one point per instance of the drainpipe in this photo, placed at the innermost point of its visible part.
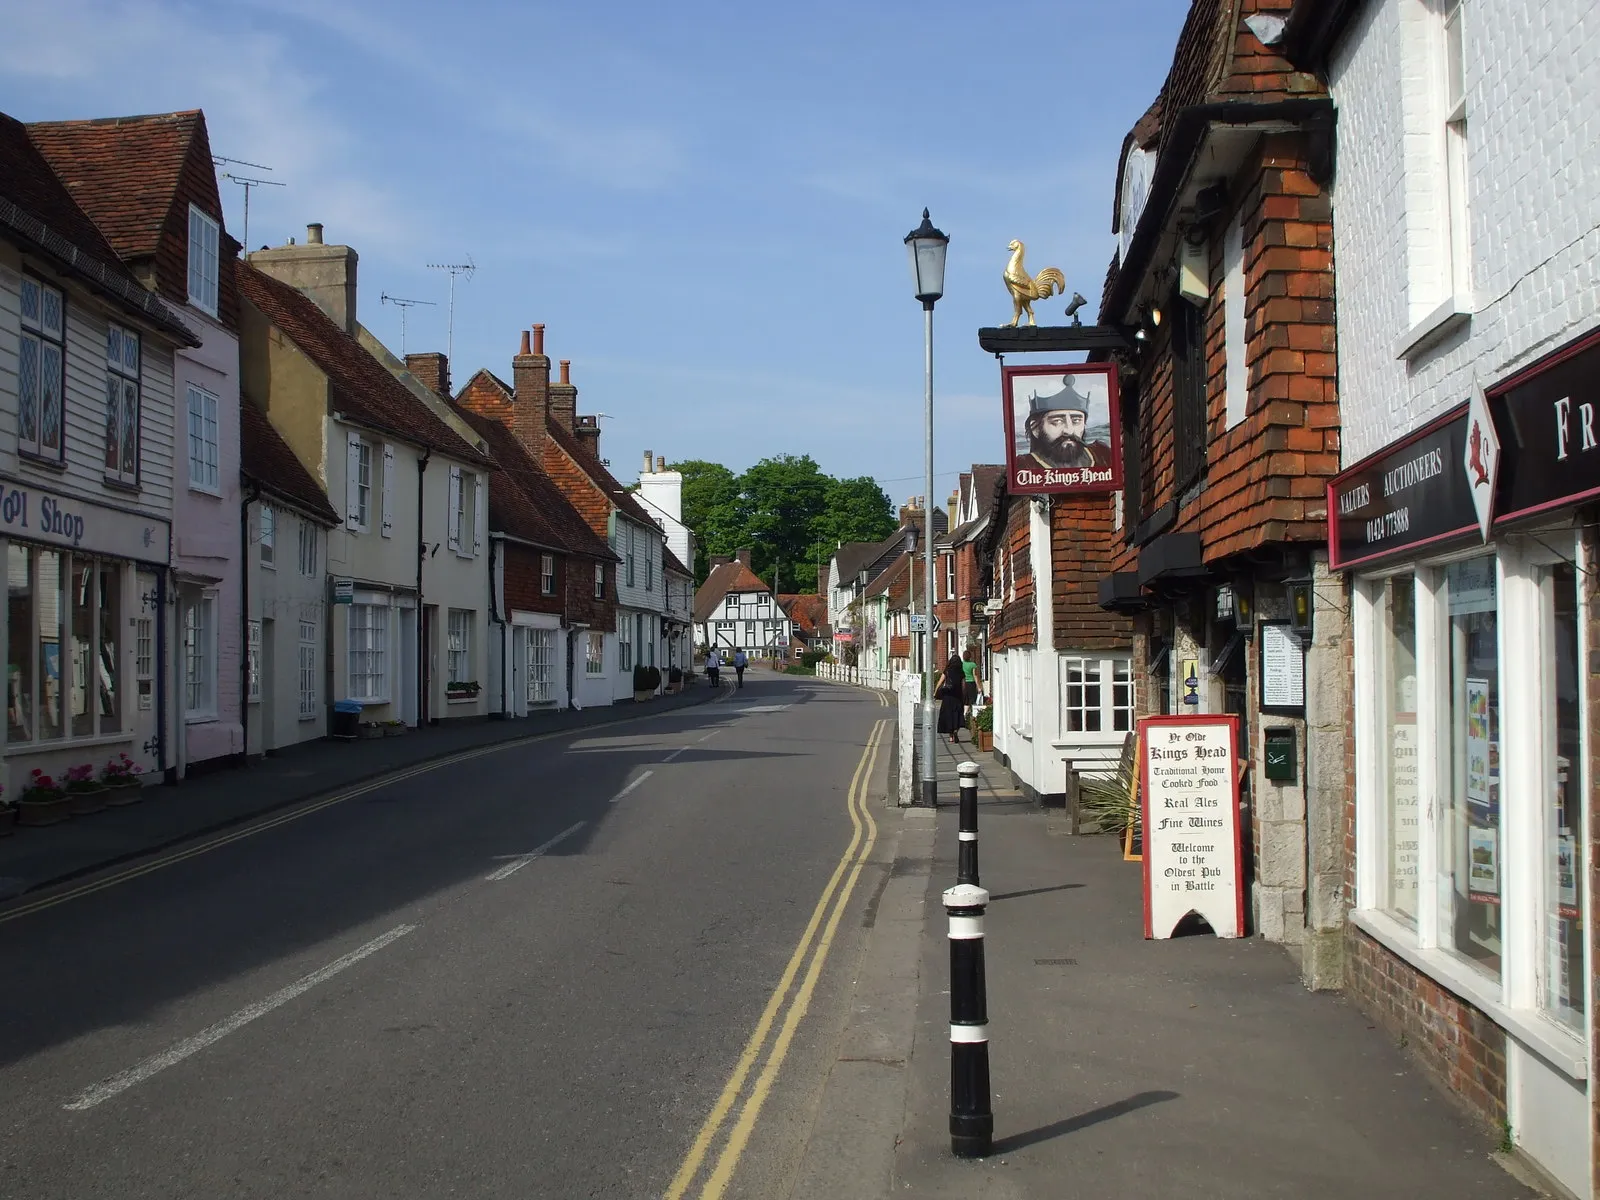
(251, 495)
(422, 620)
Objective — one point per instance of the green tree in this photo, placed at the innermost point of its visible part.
(781, 500)
(857, 510)
(711, 509)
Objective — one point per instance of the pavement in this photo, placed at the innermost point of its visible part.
(1195, 1067)
(607, 963)
(170, 814)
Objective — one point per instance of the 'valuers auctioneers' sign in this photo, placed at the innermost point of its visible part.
(1190, 795)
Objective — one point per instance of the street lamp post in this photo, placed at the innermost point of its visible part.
(927, 246)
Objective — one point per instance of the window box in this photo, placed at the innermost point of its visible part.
(457, 692)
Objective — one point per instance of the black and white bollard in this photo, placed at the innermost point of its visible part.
(967, 825)
(971, 1121)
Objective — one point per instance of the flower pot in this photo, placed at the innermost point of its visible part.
(119, 795)
(89, 800)
(985, 739)
(44, 812)
(8, 820)
(641, 697)
(393, 730)
(371, 731)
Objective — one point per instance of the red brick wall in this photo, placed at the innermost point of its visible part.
(1462, 1049)
(1082, 546)
(522, 580)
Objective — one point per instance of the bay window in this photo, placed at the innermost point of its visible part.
(1471, 776)
(64, 672)
(368, 627)
(541, 665)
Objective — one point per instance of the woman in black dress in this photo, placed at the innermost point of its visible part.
(949, 695)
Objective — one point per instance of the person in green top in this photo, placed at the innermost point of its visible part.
(969, 683)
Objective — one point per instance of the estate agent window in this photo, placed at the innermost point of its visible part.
(64, 678)
(1475, 699)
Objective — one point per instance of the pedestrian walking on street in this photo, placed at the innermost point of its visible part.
(740, 662)
(969, 683)
(714, 666)
(949, 694)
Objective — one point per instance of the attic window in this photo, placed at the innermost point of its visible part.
(204, 239)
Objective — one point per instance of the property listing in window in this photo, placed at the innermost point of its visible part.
(1397, 647)
(1470, 849)
(1564, 934)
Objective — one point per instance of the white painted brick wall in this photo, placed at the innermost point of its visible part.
(1533, 155)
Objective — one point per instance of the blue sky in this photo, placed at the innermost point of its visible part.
(703, 203)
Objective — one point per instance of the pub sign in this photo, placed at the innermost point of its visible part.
(1063, 429)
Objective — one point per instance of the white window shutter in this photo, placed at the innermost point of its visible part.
(480, 511)
(453, 524)
(352, 474)
(388, 490)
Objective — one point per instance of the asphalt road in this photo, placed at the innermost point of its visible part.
(533, 973)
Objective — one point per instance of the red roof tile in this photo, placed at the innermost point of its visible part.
(266, 460)
(362, 389)
(41, 210)
(807, 610)
(525, 503)
(136, 177)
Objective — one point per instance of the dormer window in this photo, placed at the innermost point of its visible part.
(204, 243)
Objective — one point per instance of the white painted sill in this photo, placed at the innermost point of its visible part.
(1455, 312)
(1556, 1045)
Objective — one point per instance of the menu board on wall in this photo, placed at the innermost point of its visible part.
(1283, 670)
(1190, 811)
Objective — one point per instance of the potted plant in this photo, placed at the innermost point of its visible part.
(675, 680)
(85, 793)
(371, 729)
(43, 801)
(983, 728)
(464, 689)
(121, 779)
(8, 816)
(393, 728)
(642, 689)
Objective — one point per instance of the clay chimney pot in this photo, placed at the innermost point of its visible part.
(538, 339)
(524, 349)
(566, 370)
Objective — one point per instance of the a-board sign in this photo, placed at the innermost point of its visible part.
(1189, 788)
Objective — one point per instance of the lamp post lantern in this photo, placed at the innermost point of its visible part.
(927, 246)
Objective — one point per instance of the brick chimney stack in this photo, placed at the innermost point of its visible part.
(432, 371)
(530, 413)
(588, 431)
(564, 400)
(743, 555)
(822, 580)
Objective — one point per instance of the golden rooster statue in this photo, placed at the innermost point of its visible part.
(1025, 288)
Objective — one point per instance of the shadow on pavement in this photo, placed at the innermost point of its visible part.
(1106, 1112)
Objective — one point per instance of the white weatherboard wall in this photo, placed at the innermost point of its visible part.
(283, 599)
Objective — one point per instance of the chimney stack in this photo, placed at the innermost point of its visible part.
(325, 274)
(564, 400)
(530, 411)
(432, 371)
(649, 463)
(743, 555)
(588, 433)
(719, 560)
(822, 580)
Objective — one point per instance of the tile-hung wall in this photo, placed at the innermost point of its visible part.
(85, 504)
(1466, 258)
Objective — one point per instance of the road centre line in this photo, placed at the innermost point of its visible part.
(304, 809)
(706, 737)
(632, 785)
(752, 1050)
(675, 754)
(523, 860)
(123, 1080)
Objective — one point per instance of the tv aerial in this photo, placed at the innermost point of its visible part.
(403, 304)
(246, 182)
(467, 268)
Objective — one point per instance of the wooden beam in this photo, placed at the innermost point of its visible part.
(1051, 339)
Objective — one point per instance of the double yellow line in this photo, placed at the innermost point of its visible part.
(862, 839)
